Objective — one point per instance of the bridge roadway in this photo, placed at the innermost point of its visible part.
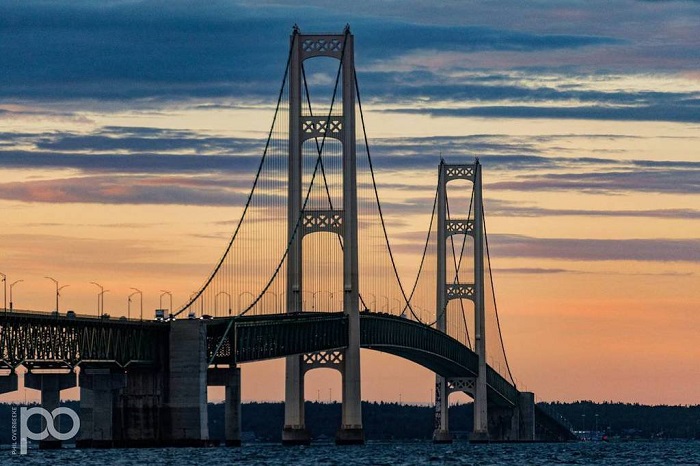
(49, 340)
(144, 349)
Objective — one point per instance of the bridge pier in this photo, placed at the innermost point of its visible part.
(141, 408)
(230, 378)
(9, 383)
(441, 434)
(99, 389)
(526, 411)
(50, 384)
(187, 383)
(295, 431)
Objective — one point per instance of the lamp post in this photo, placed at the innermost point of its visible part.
(58, 289)
(137, 291)
(216, 302)
(4, 282)
(163, 293)
(12, 285)
(100, 308)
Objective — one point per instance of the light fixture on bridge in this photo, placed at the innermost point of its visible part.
(58, 289)
(4, 282)
(100, 299)
(11, 286)
(170, 308)
(139, 292)
(216, 311)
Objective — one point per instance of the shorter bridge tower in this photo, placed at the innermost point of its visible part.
(473, 291)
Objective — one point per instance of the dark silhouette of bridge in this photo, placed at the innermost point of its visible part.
(312, 267)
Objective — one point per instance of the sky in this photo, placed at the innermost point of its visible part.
(130, 132)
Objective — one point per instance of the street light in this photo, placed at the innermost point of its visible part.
(163, 293)
(137, 291)
(4, 282)
(11, 285)
(100, 298)
(58, 289)
(216, 310)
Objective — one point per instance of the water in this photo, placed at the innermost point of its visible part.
(390, 454)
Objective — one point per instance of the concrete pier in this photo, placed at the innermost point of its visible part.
(141, 412)
(187, 384)
(526, 411)
(50, 384)
(230, 378)
(99, 391)
(9, 383)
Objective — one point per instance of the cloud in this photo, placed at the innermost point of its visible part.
(126, 189)
(514, 209)
(170, 50)
(674, 113)
(664, 181)
(584, 249)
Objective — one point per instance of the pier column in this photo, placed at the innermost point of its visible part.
(187, 384)
(9, 383)
(230, 378)
(142, 421)
(50, 384)
(99, 390)
(526, 410)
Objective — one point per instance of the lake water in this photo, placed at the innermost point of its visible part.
(390, 454)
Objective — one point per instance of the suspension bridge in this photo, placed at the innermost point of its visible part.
(308, 275)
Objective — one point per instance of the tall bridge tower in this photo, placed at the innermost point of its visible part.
(447, 291)
(342, 221)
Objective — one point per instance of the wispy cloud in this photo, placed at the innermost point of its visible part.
(586, 249)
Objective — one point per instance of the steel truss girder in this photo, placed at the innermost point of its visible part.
(35, 337)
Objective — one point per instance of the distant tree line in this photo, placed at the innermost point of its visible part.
(393, 421)
(627, 420)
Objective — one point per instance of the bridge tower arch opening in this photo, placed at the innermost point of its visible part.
(341, 219)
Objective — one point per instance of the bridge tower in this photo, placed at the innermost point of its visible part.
(344, 222)
(473, 291)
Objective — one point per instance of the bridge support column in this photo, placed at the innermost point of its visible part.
(504, 424)
(294, 432)
(187, 384)
(141, 408)
(50, 384)
(99, 389)
(230, 378)
(9, 383)
(441, 434)
(526, 409)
